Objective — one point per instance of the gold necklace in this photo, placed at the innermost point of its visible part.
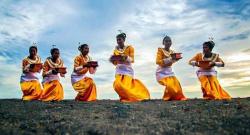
(54, 64)
(87, 58)
(166, 53)
(37, 60)
(121, 50)
(213, 57)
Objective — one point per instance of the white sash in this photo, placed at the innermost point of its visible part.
(50, 77)
(76, 77)
(124, 69)
(206, 72)
(29, 77)
(162, 72)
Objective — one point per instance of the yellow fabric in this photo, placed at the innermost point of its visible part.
(86, 89)
(200, 57)
(173, 90)
(162, 54)
(80, 60)
(52, 91)
(129, 89)
(127, 51)
(27, 61)
(211, 88)
(49, 65)
(31, 90)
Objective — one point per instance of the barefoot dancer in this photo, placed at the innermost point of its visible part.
(85, 86)
(165, 76)
(53, 90)
(30, 84)
(128, 88)
(208, 76)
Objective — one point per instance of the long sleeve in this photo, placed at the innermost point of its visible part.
(194, 60)
(131, 54)
(25, 65)
(114, 62)
(162, 60)
(159, 58)
(78, 66)
(46, 69)
(129, 51)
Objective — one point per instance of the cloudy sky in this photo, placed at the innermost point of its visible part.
(65, 23)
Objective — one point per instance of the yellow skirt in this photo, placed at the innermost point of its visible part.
(173, 90)
(31, 90)
(129, 89)
(86, 89)
(52, 91)
(212, 89)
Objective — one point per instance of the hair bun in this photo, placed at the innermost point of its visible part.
(211, 40)
(82, 46)
(166, 38)
(212, 43)
(121, 35)
(124, 34)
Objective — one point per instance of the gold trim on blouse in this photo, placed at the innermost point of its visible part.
(58, 63)
(167, 53)
(30, 61)
(121, 51)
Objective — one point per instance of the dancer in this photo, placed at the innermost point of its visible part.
(52, 68)
(206, 61)
(30, 84)
(165, 76)
(128, 88)
(85, 86)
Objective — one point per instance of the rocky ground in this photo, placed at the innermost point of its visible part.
(103, 117)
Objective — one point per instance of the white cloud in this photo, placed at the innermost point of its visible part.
(27, 20)
(24, 20)
(238, 57)
(187, 26)
(9, 79)
(145, 24)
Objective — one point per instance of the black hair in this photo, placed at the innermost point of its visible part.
(210, 44)
(34, 47)
(82, 46)
(166, 38)
(121, 35)
(53, 50)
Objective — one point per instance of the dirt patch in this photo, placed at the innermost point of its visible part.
(104, 117)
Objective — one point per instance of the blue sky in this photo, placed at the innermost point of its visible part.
(95, 22)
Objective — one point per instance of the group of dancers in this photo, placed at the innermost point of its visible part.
(127, 87)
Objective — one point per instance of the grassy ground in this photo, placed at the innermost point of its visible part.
(153, 117)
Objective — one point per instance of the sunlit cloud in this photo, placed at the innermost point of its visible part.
(65, 23)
